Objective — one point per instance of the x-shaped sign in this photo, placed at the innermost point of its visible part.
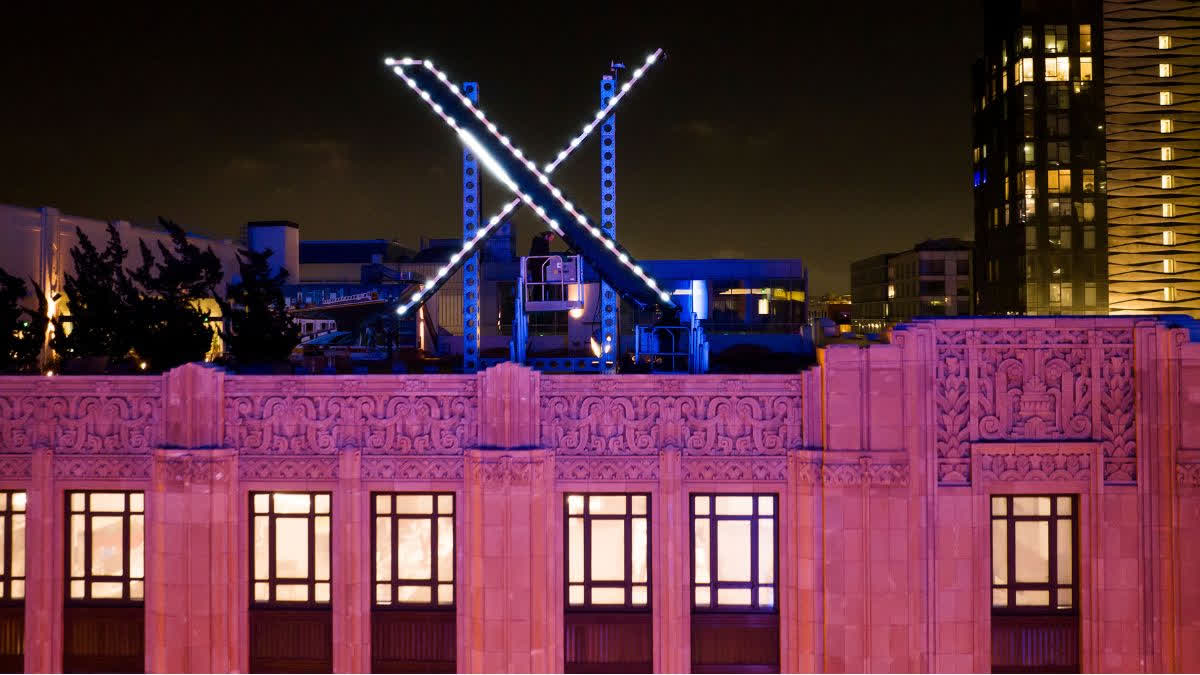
(532, 186)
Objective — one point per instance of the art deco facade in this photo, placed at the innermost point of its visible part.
(1008, 494)
(1152, 106)
(1038, 160)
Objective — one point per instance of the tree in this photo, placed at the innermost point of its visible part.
(259, 328)
(21, 330)
(99, 297)
(170, 328)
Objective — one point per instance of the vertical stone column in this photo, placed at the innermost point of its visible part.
(192, 506)
(351, 567)
(43, 569)
(514, 611)
(672, 573)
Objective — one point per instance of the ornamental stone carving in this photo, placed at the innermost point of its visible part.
(112, 467)
(16, 466)
(327, 415)
(1034, 462)
(76, 415)
(417, 468)
(712, 416)
(287, 468)
(614, 469)
(735, 469)
(1033, 384)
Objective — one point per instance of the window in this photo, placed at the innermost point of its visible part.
(1168, 181)
(1085, 211)
(1058, 180)
(1058, 96)
(1066, 298)
(1033, 553)
(1024, 71)
(1166, 126)
(1166, 153)
(1088, 177)
(608, 550)
(1165, 70)
(1058, 124)
(1085, 38)
(1089, 294)
(962, 267)
(1089, 236)
(1085, 69)
(1026, 37)
(414, 549)
(1168, 266)
(1056, 39)
(1169, 294)
(1055, 293)
(1165, 98)
(1058, 152)
(891, 292)
(1058, 69)
(1028, 153)
(1164, 41)
(12, 545)
(1168, 237)
(734, 551)
(1168, 210)
(106, 544)
(1058, 208)
(290, 558)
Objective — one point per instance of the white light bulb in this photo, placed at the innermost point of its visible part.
(389, 61)
(401, 311)
(441, 76)
(581, 220)
(491, 127)
(455, 258)
(627, 86)
(637, 269)
(494, 220)
(478, 114)
(665, 296)
(652, 58)
(567, 205)
(575, 142)
(608, 244)
(543, 179)
(416, 297)
(651, 284)
(599, 115)
(429, 284)
(504, 140)
(531, 166)
(437, 108)
(587, 129)
(428, 64)
(624, 258)
(638, 72)
(595, 232)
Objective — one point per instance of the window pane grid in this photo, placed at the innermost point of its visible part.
(1034, 554)
(734, 552)
(12, 545)
(281, 523)
(105, 546)
(414, 555)
(612, 573)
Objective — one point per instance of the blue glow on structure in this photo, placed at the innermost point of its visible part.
(608, 218)
(471, 270)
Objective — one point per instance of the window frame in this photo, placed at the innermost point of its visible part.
(395, 581)
(1051, 585)
(627, 583)
(126, 579)
(8, 512)
(713, 554)
(273, 580)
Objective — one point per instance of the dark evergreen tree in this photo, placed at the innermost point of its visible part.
(258, 328)
(21, 329)
(171, 329)
(99, 304)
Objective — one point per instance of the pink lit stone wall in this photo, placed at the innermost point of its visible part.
(883, 457)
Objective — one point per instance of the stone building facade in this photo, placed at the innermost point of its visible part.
(444, 516)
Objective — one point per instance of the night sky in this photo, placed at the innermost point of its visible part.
(829, 135)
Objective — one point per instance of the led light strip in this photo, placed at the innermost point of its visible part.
(485, 158)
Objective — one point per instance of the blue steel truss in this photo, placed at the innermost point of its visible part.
(608, 222)
(471, 272)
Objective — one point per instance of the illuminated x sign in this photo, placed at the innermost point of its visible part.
(532, 186)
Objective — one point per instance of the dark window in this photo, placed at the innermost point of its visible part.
(414, 549)
(964, 267)
(933, 267)
(933, 288)
(608, 550)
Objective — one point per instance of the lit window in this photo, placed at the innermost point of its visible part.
(106, 541)
(1024, 71)
(1169, 294)
(1058, 180)
(891, 290)
(291, 557)
(764, 306)
(1164, 41)
(12, 545)
(1166, 126)
(1085, 211)
(1085, 68)
(1085, 38)
(734, 551)
(1168, 265)
(976, 154)
(1168, 237)
(1028, 150)
(1165, 70)
(1033, 553)
(1088, 177)
(1026, 37)
(1058, 69)
(1168, 181)
(1167, 153)
(414, 549)
(1168, 210)
(1056, 293)
(1165, 98)
(608, 550)
(1056, 39)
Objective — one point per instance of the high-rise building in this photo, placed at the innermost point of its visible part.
(932, 278)
(1038, 160)
(1152, 105)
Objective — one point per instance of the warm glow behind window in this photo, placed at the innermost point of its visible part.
(1168, 237)
(106, 546)
(12, 545)
(1058, 69)
(1169, 294)
(729, 532)
(1164, 41)
(1167, 153)
(1168, 265)
(290, 560)
(1033, 546)
(414, 549)
(1166, 126)
(1085, 37)
(1165, 98)
(615, 528)
(1168, 181)
(1085, 68)
(1024, 71)
(1168, 210)
(1165, 70)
